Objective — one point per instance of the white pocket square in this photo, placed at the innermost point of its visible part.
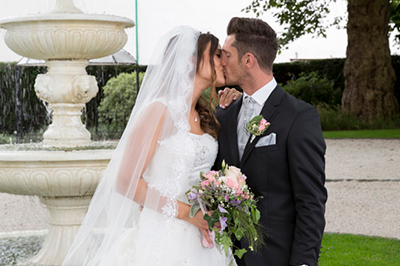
(267, 140)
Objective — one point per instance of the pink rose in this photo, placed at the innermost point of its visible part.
(216, 183)
(232, 182)
(238, 192)
(211, 175)
(205, 183)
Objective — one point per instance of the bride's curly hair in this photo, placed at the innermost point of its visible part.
(206, 108)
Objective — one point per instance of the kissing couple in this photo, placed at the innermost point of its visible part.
(140, 214)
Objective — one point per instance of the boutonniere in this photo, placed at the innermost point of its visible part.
(257, 126)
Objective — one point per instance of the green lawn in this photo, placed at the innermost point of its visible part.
(363, 134)
(354, 250)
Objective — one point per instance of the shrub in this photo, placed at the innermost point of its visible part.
(314, 90)
(119, 98)
(334, 118)
(6, 139)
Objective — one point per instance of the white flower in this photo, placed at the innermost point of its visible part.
(233, 171)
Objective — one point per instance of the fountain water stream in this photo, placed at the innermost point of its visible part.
(64, 180)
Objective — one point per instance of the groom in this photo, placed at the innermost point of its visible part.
(285, 165)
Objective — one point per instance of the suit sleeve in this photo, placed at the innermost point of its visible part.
(218, 160)
(306, 155)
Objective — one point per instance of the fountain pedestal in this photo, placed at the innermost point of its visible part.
(66, 216)
(65, 181)
(67, 88)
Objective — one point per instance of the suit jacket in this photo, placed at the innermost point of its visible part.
(289, 175)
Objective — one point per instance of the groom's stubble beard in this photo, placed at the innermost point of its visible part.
(239, 75)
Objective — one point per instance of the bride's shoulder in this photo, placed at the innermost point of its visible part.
(156, 106)
(158, 103)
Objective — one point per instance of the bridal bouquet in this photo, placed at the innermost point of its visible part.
(226, 194)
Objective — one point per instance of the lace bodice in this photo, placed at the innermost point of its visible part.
(205, 150)
(184, 155)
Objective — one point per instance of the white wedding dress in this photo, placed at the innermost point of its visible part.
(182, 245)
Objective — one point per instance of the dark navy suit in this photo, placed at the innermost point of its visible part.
(289, 175)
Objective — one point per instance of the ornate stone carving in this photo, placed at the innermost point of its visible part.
(42, 87)
(50, 182)
(64, 181)
(84, 88)
(65, 39)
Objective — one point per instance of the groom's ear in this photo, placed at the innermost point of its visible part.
(248, 60)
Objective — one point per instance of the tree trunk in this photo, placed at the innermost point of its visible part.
(368, 71)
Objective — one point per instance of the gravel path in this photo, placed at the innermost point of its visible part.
(363, 159)
(363, 182)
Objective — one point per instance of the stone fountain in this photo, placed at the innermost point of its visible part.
(64, 179)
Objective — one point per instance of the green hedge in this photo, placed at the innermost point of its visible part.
(331, 69)
(18, 99)
(22, 111)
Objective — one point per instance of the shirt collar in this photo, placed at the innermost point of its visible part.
(261, 95)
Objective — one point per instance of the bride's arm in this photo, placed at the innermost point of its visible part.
(135, 188)
(139, 152)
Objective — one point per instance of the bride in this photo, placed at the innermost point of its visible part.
(139, 214)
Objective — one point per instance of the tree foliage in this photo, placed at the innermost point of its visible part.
(394, 25)
(300, 17)
(369, 76)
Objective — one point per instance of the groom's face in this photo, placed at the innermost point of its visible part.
(233, 69)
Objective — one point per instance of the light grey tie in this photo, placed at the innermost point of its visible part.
(243, 136)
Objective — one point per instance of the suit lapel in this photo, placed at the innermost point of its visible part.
(233, 138)
(268, 111)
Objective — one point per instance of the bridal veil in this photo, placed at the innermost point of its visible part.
(161, 112)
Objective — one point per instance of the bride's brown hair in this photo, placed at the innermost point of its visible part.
(206, 109)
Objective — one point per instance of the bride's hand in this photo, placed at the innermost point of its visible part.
(202, 224)
(227, 96)
(197, 220)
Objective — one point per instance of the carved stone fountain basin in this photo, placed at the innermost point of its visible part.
(66, 36)
(64, 181)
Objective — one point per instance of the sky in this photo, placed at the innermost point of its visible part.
(155, 18)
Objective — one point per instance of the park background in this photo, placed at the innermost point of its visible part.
(363, 174)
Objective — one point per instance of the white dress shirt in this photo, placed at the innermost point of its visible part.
(260, 97)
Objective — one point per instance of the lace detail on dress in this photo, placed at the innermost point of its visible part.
(178, 108)
(181, 153)
(204, 151)
(170, 208)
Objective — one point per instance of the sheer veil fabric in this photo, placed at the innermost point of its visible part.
(161, 114)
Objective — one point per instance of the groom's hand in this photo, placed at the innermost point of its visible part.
(227, 95)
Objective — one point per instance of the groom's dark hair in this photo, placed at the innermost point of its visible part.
(256, 37)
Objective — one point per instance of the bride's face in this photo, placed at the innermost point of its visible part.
(219, 70)
(205, 69)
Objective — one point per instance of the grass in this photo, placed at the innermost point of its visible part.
(363, 134)
(333, 118)
(354, 250)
